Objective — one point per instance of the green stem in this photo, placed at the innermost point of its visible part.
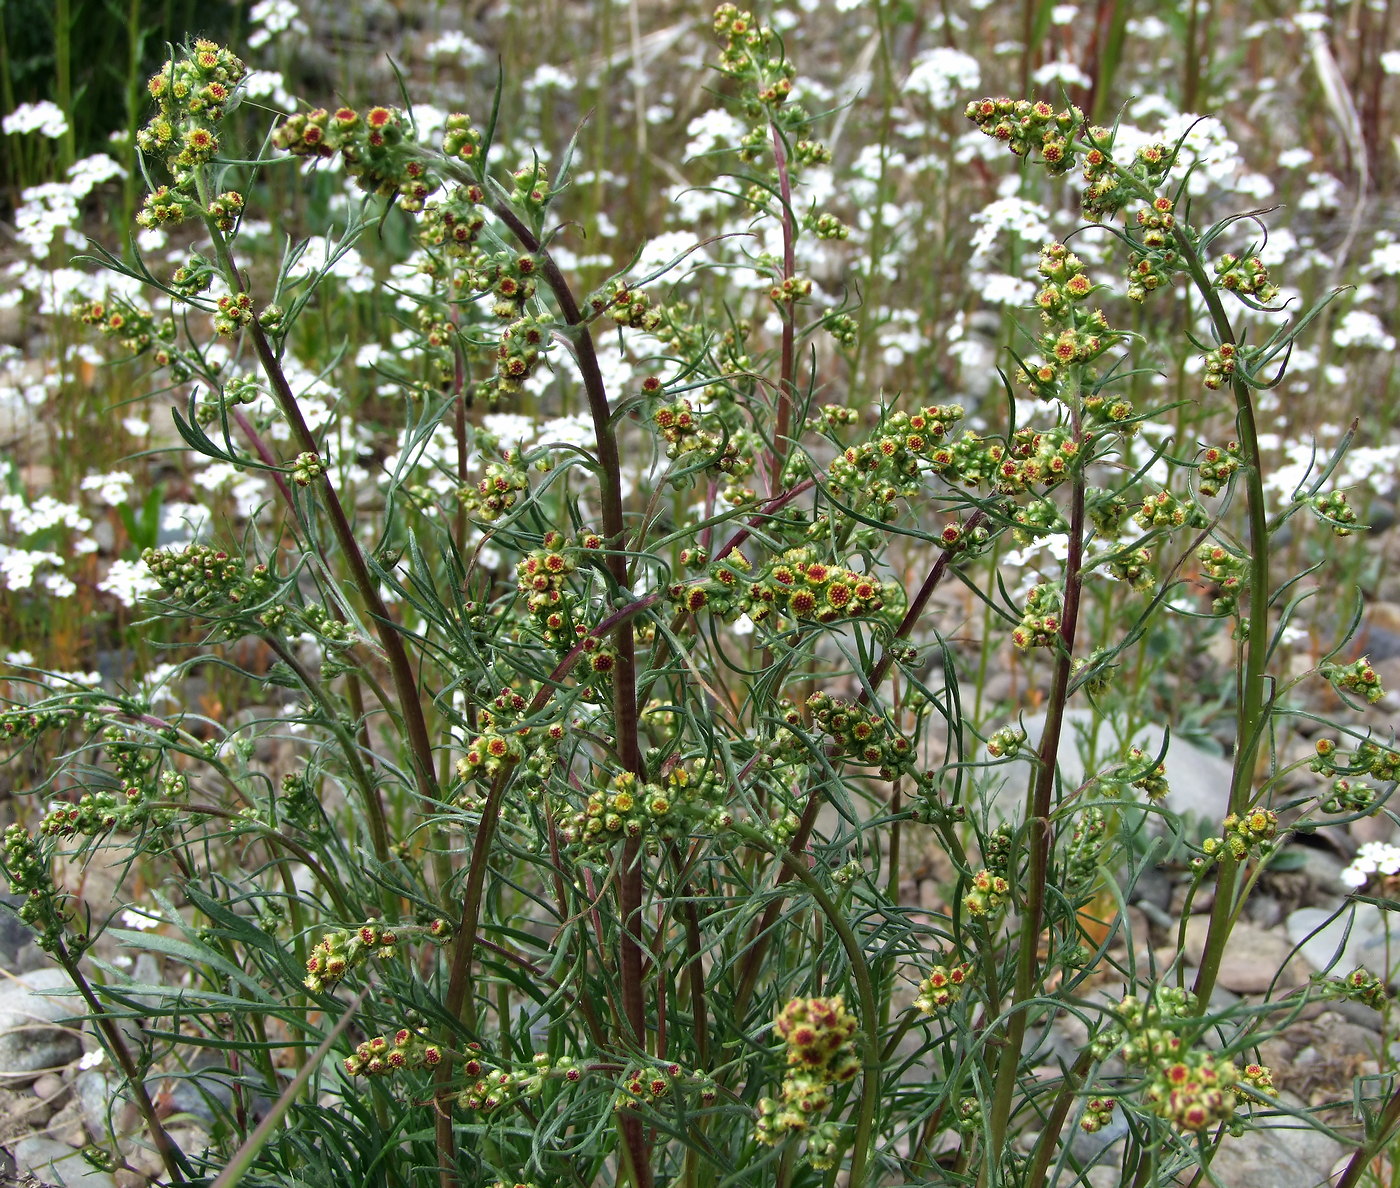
(759, 938)
(632, 944)
(176, 1166)
(405, 686)
(63, 77)
(374, 808)
(1252, 713)
(1039, 803)
(865, 991)
(788, 354)
(460, 1003)
(1385, 1127)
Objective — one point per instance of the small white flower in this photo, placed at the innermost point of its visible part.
(91, 1059)
(59, 586)
(44, 117)
(458, 46)
(128, 582)
(112, 488)
(942, 74)
(139, 919)
(1061, 72)
(1354, 876)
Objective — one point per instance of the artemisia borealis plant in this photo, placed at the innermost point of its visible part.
(606, 751)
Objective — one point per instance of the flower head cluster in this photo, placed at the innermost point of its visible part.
(496, 1087)
(1146, 774)
(490, 753)
(862, 735)
(1098, 1113)
(1348, 795)
(382, 1056)
(689, 432)
(1111, 186)
(453, 224)
(820, 1055)
(1252, 833)
(192, 93)
(1358, 986)
(377, 148)
(801, 586)
(988, 895)
(1084, 852)
(543, 578)
(1216, 466)
(1006, 741)
(646, 1085)
(1165, 510)
(1145, 1033)
(897, 457)
(499, 488)
(1040, 621)
(1247, 277)
(942, 987)
(1227, 571)
(343, 950)
(133, 806)
(1219, 365)
(753, 55)
(20, 726)
(1194, 1092)
(1332, 509)
(134, 329)
(1074, 335)
(1027, 128)
(462, 142)
(1192, 1089)
(1357, 677)
(208, 580)
(27, 867)
(1156, 260)
(689, 794)
(1369, 759)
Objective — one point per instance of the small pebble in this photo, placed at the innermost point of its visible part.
(49, 1087)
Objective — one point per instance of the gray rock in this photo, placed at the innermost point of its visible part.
(1363, 935)
(1323, 869)
(102, 1110)
(204, 1096)
(50, 1087)
(1253, 960)
(1199, 782)
(1280, 1156)
(14, 934)
(54, 1163)
(32, 1038)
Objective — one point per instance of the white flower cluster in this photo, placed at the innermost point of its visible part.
(942, 74)
(456, 45)
(1372, 858)
(268, 20)
(128, 582)
(44, 117)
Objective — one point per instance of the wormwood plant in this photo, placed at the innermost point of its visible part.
(585, 865)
